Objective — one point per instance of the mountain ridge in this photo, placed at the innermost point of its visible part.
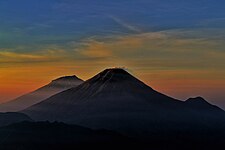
(12, 117)
(115, 100)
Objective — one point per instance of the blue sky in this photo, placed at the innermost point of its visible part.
(58, 22)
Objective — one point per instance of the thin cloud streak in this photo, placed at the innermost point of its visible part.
(125, 24)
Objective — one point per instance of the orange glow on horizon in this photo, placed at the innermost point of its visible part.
(178, 84)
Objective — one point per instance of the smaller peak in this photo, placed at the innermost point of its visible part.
(199, 100)
(201, 103)
(196, 98)
(66, 81)
(66, 78)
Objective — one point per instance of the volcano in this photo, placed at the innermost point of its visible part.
(27, 100)
(116, 100)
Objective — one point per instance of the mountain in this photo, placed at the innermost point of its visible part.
(56, 86)
(9, 118)
(58, 136)
(116, 100)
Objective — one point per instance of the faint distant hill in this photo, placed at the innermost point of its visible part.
(9, 118)
(116, 100)
(27, 100)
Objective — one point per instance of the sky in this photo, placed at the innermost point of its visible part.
(175, 46)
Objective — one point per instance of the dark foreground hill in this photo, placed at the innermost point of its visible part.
(9, 118)
(27, 100)
(52, 136)
(60, 136)
(116, 100)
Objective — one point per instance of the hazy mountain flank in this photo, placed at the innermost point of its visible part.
(56, 86)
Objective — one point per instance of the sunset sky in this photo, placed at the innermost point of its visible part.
(175, 46)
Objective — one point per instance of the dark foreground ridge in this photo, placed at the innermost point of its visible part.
(12, 117)
(60, 136)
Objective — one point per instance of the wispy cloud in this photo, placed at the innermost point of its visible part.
(10, 57)
(125, 24)
(161, 50)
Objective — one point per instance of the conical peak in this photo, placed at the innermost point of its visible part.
(113, 74)
(114, 71)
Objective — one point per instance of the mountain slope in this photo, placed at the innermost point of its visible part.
(115, 100)
(56, 86)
